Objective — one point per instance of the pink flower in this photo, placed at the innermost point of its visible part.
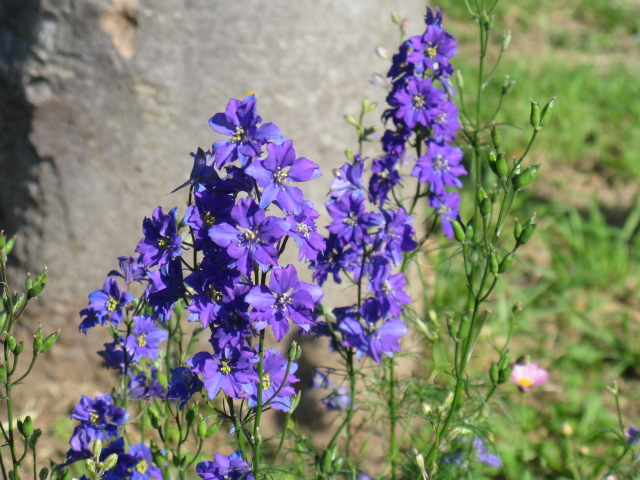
(526, 376)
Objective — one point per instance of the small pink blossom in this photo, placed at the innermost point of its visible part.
(527, 376)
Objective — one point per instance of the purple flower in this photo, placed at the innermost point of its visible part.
(278, 171)
(202, 170)
(141, 388)
(439, 167)
(527, 376)
(166, 287)
(255, 241)
(132, 270)
(106, 304)
(114, 356)
(416, 102)
(373, 341)
(302, 228)
(286, 298)
(99, 418)
(161, 241)
(348, 179)
(389, 296)
(483, 455)
(227, 370)
(145, 338)
(446, 207)
(350, 221)
(144, 468)
(338, 397)
(183, 385)
(274, 393)
(432, 50)
(240, 121)
(445, 122)
(397, 234)
(632, 436)
(232, 467)
(210, 209)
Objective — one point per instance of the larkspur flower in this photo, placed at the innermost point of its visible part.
(143, 469)
(161, 241)
(145, 338)
(416, 102)
(373, 341)
(131, 269)
(287, 298)
(276, 174)
(254, 238)
(107, 304)
(632, 436)
(183, 385)
(432, 50)
(440, 167)
(446, 208)
(143, 388)
(223, 467)
(483, 455)
(527, 376)
(240, 121)
(228, 370)
(302, 228)
(99, 419)
(276, 389)
(202, 170)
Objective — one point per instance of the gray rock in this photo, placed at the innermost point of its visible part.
(103, 101)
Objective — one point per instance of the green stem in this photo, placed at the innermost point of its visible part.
(392, 417)
(257, 439)
(525, 443)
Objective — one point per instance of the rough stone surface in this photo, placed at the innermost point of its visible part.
(102, 101)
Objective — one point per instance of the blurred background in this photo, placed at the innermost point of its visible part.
(102, 101)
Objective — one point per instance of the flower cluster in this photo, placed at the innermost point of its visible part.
(365, 246)
(221, 263)
(422, 113)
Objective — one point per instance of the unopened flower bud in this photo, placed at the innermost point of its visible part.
(383, 53)
(496, 137)
(294, 351)
(501, 166)
(91, 466)
(97, 448)
(545, 116)
(460, 80)
(468, 232)
(50, 341)
(27, 427)
(458, 232)
(427, 409)
(526, 178)
(111, 461)
(494, 263)
(494, 373)
(506, 262)
(506, 40)
(517, 229)
(535, 114)
(485, 207)
(11, 342)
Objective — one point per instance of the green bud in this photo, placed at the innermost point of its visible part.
(506, 262)
(49, 342)
(212, 430)
(350, 120)
(367, 105)
(97, 448)
(526, 178)
(460, 80)
(505, 373)
(327, 459)
(491, 158)
(158, 457)
(506, 40)
(202, 429)
(154, 416)
(507, 85)
(485, 207)
(427, 409)
(494, 263)
(34, 438)
(451, 327)
(295, 401)
(3, 320)
(11, 342)
(496, 137)
(545, 116)
(26, 427)
(38, 338)
(91, 466)
(494, 373)
(28, 282)
(501, 166)
(347, 153)
(191, 414)
(294, 351)
(504, 358)
(463, 329)
(395, 18)
(486, 20)
(19, 348)
(458, 233)
(43, 474)
(162, 379)
(481, 193)
(468, 232)
(527, 233)
(3, 373)
(38, 284)
(336, 465)
(9, 244)
(517, 230)
(18, 303)
(534, 118)
(111, 461)
(433, 469)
